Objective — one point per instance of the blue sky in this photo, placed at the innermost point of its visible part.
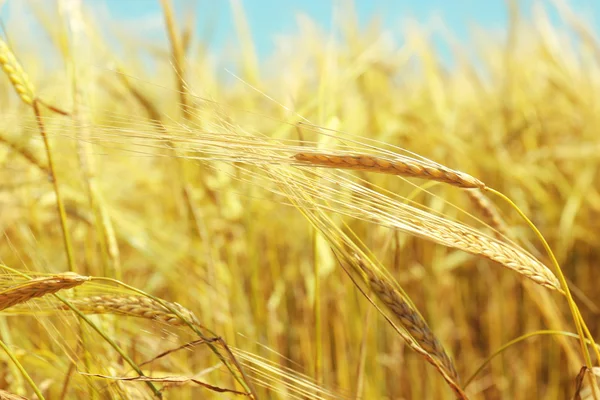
(268, 18)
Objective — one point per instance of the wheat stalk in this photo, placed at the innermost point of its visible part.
(416, 333)
(134, 306)
(39, 287)
(401, 165)
(15, 73)
(374, 206)
(25, 153)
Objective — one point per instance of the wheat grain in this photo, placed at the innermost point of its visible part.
(134, 306)
(4, 395)
(508, 255)
(418, 335)
(374, 206)
(15, 73)
(409, 318)
(401, 165)
(412, 321)
(489, 212)
(39, 287)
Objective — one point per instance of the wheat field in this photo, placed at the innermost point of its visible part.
(352, 218)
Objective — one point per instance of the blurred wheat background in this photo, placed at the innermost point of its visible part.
(187, 223)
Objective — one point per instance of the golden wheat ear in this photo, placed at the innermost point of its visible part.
(399, 165)
(39, 287)
(416, 333)
(134, 306)
(15, 73)
(510, 256)
(4, 395)
(380, 208)
(489, 212)
(411, 320)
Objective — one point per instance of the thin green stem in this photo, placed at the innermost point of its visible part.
(317, 308)
(520, 339)
(588, 334)
(59, 203)
(10, 354)
(111, 342)
(63, 218)
(572, 305)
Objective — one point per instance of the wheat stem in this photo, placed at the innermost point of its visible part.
(59, 202)
(177, 54)
(317, 308)
(520, 339)
(111, 342)
(22, 370)
(572, 305)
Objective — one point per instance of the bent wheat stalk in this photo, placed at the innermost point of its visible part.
(39, 287)
(362, 271)
(385, 209)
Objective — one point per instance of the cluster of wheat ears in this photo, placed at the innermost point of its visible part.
(286, 237)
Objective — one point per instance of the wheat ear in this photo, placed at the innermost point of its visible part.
(505, 254)
(410, 319)
(489, 212)
(418, 335)
(134, 306)
(4, 395)
(15, 73)
(400, 165)
(374, 206)
(39, 287)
